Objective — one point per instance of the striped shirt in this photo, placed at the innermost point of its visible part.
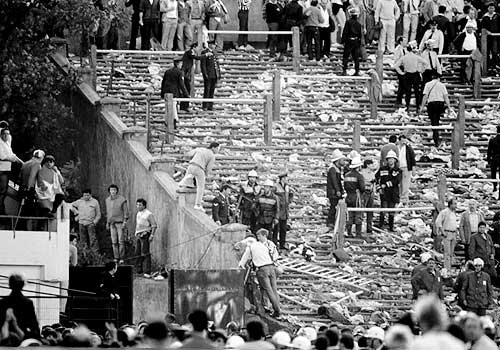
(244, 5)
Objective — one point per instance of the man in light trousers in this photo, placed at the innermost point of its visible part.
(447, 227)
(410, 20)
(386, 13)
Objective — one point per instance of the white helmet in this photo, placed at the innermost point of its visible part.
(253, 173)
(234, 342)
(391, 154)
(376, 333)
(281, 338)
(302, 343)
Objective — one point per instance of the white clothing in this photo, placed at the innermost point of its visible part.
(470, 43)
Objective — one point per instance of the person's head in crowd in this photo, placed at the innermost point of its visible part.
(321, 343)
(398, 337)
(226, 189)
(234, 342)
(80, 337)
(281, 340)
(375, 336)
(211, 44)
(38, 155)
(430, 313)
(452, 204)
(491, 8)
(16, 282)
(87, 194)
(198, 320)
(473, 328)
(73, 239)
(308, 332)
(177, 61)
(456, 331)
(50, 336)
(481, 227)
(218, 338)
(333, 336)
(346, 342)
(156, 334)
(403, 139)
(393, 139)
(469, 265)
(338, 158)
(391, 158)
(432, 25)
(5, 134)
(141, 204)
(267, 187)
(111, 267)
(262, 234)
(255, 330)
(113, 190)
(49, 161)
(478, 264)
(302, 343)
(472, 206)
(442, 9)
(214, 146)
(314, 3)
(358, 332)
(322, 329)
(466, 9)
(252, 177)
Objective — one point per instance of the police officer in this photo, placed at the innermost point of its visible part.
(267, 207)
(285, 196)
(354, 185)
(388, 178)
(351, 38)
(220, 206)
(211, 73)
(248, 192)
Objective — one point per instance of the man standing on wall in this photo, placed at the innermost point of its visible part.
(116, 221)
(216, 13)
(7, 157)
(149, 18)
(211, 73)
(145, 228)
(88, 214)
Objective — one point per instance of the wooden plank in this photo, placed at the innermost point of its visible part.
(461, 119)
(169, 118)
(296, 49)
(277, 95)
(484, 51)
(268, 120)
(356, 137)
(455, 147)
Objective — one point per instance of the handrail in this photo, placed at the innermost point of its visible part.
(263, 32)
(404, 127)
(140, 52)
(482, 103)
(324, 77)
(376, 210)
(470, 179)
(221, 100)
(453, 56)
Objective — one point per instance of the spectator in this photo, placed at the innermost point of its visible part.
(116, 221)
(108, 286)
(149, 17)
(375, 336)
(465, 43)
(169, 20)
(256, 337)
(446, 225)
(491, 22)
(346, 342)
(407, 163)
(459, 281)
(200, 166)
(267, 207)
(475, 335)
(431, 63)
(387, 12)
(7, 157)
(243, 10)
(173, 83)
(293, 17)
(476, 292)
(156, 335)
(494, 233)
(493, 157)
(311, 31)
(197, 18)
(325, 29)
(351, 38)
(399, 337)
(198, 338)
(73, 250)
(215, 14)
(354, 184)
(445, 26)
(469, 225)
(211, 73)
(134, 28)
(427, 280)
(274, 13)
(49, 186)
(410, 20)
(145, 230)
(429, 10)
(264, 256)
(184, 28)
(88, 213)
(333, 337)
(390, 146)
(368, 197)
(399, 52)
(334, 186)
(28, 175)
(481, 246)
(434, 34)
(188, 73)
(388, 177)
(436, 100)
(220, 206)
(16, 308)
(285, 195)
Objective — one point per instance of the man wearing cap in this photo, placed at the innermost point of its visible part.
(493, 157)
(465, 43)
(447, 227)
(481, 246)
(375, 338)
(434, 34)
(388, 178)
(477, 292)
(248, 192)
(410, 63)
(436, 99)
(351, 38)
(211, 73)
(285, 196)
(220, 206)
(427, 280)
(173, 83)
(491, 22)
(334, 188)
(267, 207)
(354, 185)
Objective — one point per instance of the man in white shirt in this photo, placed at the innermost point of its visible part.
(7, 157)
(410, 20)
(264, 255)
(466, 42)
(447, 226)
(433, 33)
(387, 12)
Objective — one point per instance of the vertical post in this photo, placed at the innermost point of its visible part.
(484, 50)
(169, 118)
(148, 122)
(441, 190)
(356, 136)
(379, 65)
(268, 119)
(276, 95)
(296, 49)
(93, 64)
(477, 79)
(461, 119)
(455, 146)
(371, 97)
(339, 229)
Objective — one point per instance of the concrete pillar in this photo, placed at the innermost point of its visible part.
(112, 104)
(165, 164)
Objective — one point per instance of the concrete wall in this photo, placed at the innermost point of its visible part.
(41, 256)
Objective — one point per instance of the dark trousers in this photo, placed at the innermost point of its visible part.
(326, 41)
(312, 35)
(188, 82)
(208, 91)
(150, 28)
(134, 32)
(494, 168)
(4, 186)
(332, 213)
(351, 49)
(279, 233)
(243, 20)
(401, 88)
(412, 82)
(248, 218)
(88, 236)
(273, 39)
(143, 262)
(367, 199)
(387, 204)
(435, 110)
(493, 52)
(463, 75)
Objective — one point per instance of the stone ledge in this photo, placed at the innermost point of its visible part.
(114, 122)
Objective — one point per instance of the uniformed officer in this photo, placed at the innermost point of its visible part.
(267, 207)
(248, 192)
(220, 206)
(351, 39)
(354, 185)
(285, 196)
(211, 73)
(388, 178)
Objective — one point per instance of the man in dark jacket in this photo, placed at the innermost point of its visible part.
(267, 208)
(134, 29)
(354, 184)
(459, 282)
(491, 22)
(108, 286)
(211, 73)
(481, 246)
(220, 206)
(334, 188)
(293, 16)
(274, 13)
(493, 156)
(149, 20)
(351, 38)
(188, 72)
(466, 47)
(248, 192)
(427, 280)
(444, 25)
(285, 196)
(477, 293)
(173, 81)
(22, 307)
(389, 177)
(407, 162)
